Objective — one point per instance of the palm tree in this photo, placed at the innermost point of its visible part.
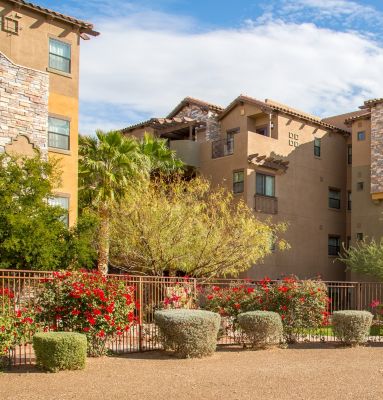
(109, 164)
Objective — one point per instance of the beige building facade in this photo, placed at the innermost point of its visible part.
(39, 88)
(289, 167)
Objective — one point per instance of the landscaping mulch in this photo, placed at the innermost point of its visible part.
(304, 371)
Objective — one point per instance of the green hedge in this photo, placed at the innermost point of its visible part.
(261, 328)
(352, 327)
(60, 350)
(190, 333)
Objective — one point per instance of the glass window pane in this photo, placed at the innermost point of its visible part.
(57, 125)
(59, 48)
(269, 187)
(260, 184)
(58, 141)
(59, 63)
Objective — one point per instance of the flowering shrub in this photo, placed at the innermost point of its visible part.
(179, 295)
(88, 303)
(17, 324)
(301, 304)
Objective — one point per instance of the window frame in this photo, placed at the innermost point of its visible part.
(262, 127)
(349, 200)
(338, 200)
(317, 149)
(264, 177)
(239, 184)
(330, 247)
(349, 154)
(361, 136)
(59, 134)
(359, 236)
(62, 57)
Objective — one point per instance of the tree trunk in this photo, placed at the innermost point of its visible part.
(103, 240)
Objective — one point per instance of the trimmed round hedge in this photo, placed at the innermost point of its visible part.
(351, 327)
(189, 333)
(57, 351)
(261, 328)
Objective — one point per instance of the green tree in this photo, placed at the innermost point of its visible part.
(186, 226)
(110, 163)
(32, 233)
(366, 257)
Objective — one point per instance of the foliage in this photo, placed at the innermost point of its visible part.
(110, 164)
(351, 327)
(17, 325)
(178, 295)
(57, 351)
(301, 304)
(190, 333)
(366, 257)
(89, 303)
(32, 232)
(261, 328)
(174, 225)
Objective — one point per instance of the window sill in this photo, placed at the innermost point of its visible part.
(318, 157)
(58, 72)
(59, 151)
(335, 209)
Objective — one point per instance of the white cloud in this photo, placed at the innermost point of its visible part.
(147, 62)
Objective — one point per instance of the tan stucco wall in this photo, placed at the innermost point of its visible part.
(31, 48)
(302, 191)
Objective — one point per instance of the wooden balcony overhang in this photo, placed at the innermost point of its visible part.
(256, 160)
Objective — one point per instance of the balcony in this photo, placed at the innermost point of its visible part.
(266, 204)
(187, 151)
(222, 148)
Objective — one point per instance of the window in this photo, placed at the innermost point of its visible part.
(230, 142)
(59, 55)
(349, 154)
(349, 200)
(333, 245)
(58, 133)
(359, 186)
(359, 236)
(238, 181)
(63, 202)
(361, 135)
(262, 130)
(265, 185)
(334, 198)
(317, 143)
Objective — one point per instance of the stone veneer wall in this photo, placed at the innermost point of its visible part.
(205, 115)
(23, 104)
(377, 148)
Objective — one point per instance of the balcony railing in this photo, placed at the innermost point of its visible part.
(222, 147)
(265, 204)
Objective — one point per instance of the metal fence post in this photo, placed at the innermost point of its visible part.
(358, 297)
(140, 315)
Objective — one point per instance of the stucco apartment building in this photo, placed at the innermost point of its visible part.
(323, 177)
(39, 88)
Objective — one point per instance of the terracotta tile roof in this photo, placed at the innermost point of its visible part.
(85, 27)
(159, 123)
(341, 120)
(192, 100)
(364, 115)
(269, 106)
(372, 102)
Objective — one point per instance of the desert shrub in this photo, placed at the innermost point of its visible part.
(17, 324)
(301, 304)
(190, 333)
(351, 327)
(57, 351)
(87, 302)
(261, 328)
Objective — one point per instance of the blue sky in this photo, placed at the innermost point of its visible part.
(323, 56)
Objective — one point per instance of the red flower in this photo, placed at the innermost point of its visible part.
(107, 317)
(284, 308)
(237, 306)
(283, 289)
(250, 290)
(75, 312)
(210, 297)
(86, 329)
(216, 288)
(91, 320)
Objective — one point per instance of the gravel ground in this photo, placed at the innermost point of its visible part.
(300, 372)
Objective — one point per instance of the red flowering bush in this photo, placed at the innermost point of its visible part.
(17, 324)
(301, 304)
(179, 295)
(89, 303)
